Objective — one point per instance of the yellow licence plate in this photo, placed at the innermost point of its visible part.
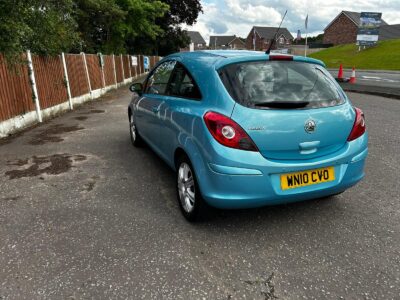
(309, 177)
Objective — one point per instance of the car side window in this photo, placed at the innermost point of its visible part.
(158, 81)
(182, 84)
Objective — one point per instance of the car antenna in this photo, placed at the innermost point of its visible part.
(276, 33)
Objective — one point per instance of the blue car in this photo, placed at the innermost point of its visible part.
(245, 129)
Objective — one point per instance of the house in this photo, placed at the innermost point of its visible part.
(389, 32)
(226, 42)
(259, 38)
(343, 29)
(197, 40)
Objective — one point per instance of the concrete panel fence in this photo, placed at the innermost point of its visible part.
(46, 86)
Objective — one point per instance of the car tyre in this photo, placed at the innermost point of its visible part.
(190, 201)
(136, 139)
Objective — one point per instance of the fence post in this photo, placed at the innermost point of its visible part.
(33, 84)
(87, 73)
(102, 63)
(67, 81)
(135, 71)
(129, 66)
(115, 72)
(122, 68)
(134, 67)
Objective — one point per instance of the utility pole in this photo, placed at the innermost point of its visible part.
(305, 45)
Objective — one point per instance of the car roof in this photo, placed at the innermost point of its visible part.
(219, 58)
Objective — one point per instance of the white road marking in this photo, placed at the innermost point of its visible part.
(371, 77)
(378, 79)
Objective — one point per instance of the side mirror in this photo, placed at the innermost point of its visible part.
(136, 88)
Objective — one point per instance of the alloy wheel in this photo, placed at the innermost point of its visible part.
(186, 187)
(133, 128)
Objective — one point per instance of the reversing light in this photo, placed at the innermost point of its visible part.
(228, 132)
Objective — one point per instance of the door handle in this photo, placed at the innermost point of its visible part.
(156, 109)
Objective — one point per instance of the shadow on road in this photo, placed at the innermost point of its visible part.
(221, 218)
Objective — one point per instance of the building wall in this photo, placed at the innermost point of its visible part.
(283, 42)
(262, 44)
(341, 31)
(237, 44)
(200, 46)
(196, 47)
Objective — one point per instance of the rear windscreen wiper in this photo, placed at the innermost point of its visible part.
(283, 104)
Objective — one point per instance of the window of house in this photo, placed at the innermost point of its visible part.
(158, 80)
(183, 85)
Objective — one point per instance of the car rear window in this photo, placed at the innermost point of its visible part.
(281, 84)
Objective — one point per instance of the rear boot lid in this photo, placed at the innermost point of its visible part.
(296, 133)
(291, 109)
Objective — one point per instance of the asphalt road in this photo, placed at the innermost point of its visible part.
(390, 79)
(84, 215)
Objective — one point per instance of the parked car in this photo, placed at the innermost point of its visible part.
(245, 129)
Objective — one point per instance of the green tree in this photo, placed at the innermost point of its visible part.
(96, 20)
(109, 25)
(44, 27)
(173, 37)
(312, 39)
(180, 12)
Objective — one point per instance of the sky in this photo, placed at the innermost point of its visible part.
(229, 17)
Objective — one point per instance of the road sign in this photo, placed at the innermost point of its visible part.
(134, 61)
(368, 31)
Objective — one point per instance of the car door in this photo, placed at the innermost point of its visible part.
(176, 113)
(149, 105)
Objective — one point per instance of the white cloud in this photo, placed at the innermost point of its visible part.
(245, 10)
(230, 17)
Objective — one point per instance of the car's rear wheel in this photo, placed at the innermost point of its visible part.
(189, 197)
(136, 139)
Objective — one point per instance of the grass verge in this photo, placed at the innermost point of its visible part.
(384, 56)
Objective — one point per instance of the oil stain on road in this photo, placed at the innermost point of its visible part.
(52, 134)
(37, 165)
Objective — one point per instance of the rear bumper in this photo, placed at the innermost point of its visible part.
(242, 179)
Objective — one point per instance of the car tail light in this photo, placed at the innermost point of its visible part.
(359, 125)
(227, 132)
(280, 57)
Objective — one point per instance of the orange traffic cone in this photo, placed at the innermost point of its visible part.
(353, 76)
(340, 74)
